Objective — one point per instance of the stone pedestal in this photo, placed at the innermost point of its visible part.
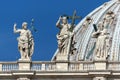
(62, 62)
(62, 66)
(100, 65)
(24, 64)
(99, 78)
(80, 66)
(62, 57)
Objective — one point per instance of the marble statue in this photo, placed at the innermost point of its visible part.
(102, 44)
(64, 35)
(100, 26)
(25, 41)
(109, 18)
(86, 23)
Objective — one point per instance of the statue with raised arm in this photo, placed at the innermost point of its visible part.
(109, 18)
(64, 34)
(102, 44)
(86, 23)
(25, 41)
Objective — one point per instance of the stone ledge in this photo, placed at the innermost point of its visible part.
(63, 74)
(23, 73)
(5, 74)
(99, 73)
(24, 61)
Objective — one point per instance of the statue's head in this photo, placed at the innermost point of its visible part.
(110, 12)
(24, 25)
(88, 18)
(100, 26)
(64, 20)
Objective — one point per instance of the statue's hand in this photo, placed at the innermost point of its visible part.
(15, 25)
(60, 18)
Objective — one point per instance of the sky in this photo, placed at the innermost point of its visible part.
(45, 14)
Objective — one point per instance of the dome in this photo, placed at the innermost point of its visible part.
(106, 16)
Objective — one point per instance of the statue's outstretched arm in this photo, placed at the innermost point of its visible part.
(58, 23)
(15, 30)
(96, 34)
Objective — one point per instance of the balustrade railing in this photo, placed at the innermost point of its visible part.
(47, 66)
(76, 66)
(9, 66)
(88, 66)
(113, 66)
(51, 66)
(36, 66)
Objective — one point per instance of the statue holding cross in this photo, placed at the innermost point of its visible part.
(65, 36)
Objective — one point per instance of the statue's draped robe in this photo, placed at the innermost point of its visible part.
(102, 45)
(63, 38)
(25, 43)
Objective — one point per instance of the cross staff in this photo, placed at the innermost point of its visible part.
(70, 44)
(74, 17)
(32, 26)
(34, 30)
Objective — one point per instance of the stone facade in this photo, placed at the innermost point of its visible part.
(60, 70)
